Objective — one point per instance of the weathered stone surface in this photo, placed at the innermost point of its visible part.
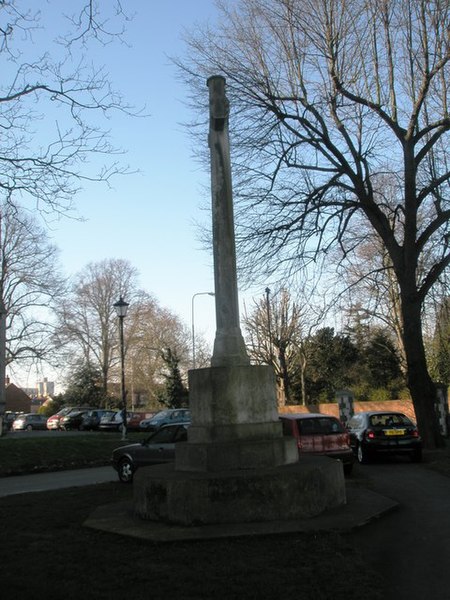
(234, 421)
(238, 454)
(229, 346)
(236, 466)
(233, 395)
(301, 490)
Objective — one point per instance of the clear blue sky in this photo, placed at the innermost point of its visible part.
(149, 218)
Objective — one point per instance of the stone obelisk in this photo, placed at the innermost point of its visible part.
(236, 465)
(229, 347)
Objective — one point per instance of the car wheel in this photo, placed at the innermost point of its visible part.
(29, 428)
(125, 471)
(416, 455)
(362, 455)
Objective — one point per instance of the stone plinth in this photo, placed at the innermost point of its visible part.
(234, 422)
(296, 491)
(236, 467)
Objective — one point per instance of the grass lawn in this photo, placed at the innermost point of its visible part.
(45, 552)
(34, 454)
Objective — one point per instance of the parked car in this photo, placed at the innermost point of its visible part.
(166, 417)
(319, 434)
(73, 420)
(8, 418)
(112, 422)
(91, 419)
(159, 447)
(53, 421)
(377, 433)
(133, 422)
(29, 421)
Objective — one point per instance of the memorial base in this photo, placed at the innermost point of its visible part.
(301, 490)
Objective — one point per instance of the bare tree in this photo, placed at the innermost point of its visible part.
(328, 97)
(274, 335)
(30, 281)
(53, 99)
(153, 331)
(87, 323)
(366, 284)
(87, 331)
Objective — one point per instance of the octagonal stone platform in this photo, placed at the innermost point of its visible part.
(300, 490)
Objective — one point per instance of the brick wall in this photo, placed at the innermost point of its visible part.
(331, 408)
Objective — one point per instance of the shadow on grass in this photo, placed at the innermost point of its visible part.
(47, 553)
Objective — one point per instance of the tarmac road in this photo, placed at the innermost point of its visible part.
(409, 547)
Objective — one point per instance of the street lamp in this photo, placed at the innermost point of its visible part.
(269, 330)
(121, 308)
(192, 321)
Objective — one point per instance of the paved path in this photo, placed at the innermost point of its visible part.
(41, 482)
(410, 547)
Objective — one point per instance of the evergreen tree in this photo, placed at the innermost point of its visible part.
(332, 357)
(382, 361)
(85, 388)
(175, 394)
(440, 361)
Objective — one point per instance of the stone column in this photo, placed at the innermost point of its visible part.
(229, 347)
(233, 403)
(236, 466)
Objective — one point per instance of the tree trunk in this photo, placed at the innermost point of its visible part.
(420, 384)
(284, 375)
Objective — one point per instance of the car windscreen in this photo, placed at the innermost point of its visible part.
(319, 426)
(389, 420)
(159, 416)
(168, 435)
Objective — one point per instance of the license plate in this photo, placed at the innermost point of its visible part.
(394, 432)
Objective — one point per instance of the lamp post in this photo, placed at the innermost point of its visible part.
(121, 308)
(192, 321)
(269, 329)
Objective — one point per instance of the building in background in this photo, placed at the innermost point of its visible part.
(16, 399)
(45, 388)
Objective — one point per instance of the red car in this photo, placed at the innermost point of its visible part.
(53, 421)
(319, 434)
(135, 419)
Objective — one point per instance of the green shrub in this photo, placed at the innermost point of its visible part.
(379, 395)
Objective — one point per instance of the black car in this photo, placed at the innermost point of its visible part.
(74, 420)
(157, 448)
(91, 419)
(384, 433)
(8, 419)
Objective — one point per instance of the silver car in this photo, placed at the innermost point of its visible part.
(165, 417)
(29, 422)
